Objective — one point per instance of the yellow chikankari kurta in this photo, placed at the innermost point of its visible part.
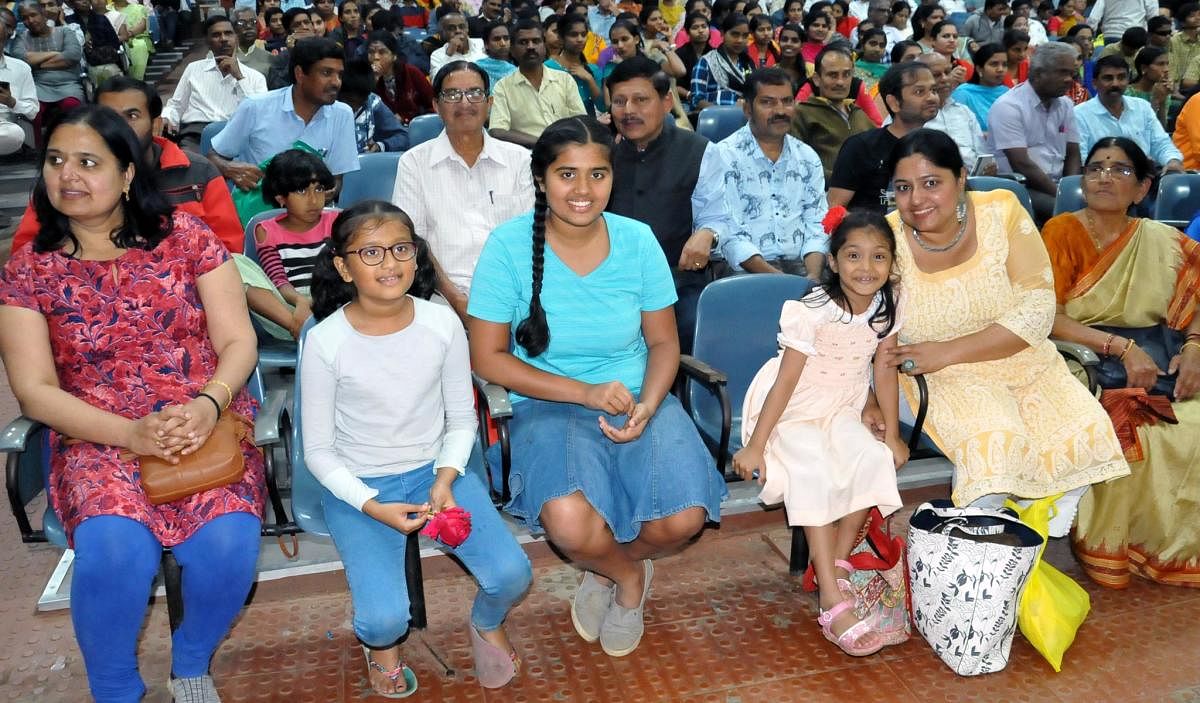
(1023, 424)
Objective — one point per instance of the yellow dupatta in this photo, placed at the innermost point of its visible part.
(1126, 287)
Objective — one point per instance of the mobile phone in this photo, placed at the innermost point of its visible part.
(982, 164)
(5, 85)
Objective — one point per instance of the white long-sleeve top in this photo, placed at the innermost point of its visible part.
(206, 95)
(384, 405)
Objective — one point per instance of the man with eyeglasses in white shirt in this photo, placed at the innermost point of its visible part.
(460, 185)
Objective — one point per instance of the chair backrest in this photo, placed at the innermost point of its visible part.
(1069, 197)
(250, 246)
(737, 320)
(374, 179)
(207, 134)
(958, 19)
(1178, 199)
(719, 121)
(423, 128)
(415, 33)
(306, 490)
(985, 183)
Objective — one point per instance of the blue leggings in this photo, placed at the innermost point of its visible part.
(116, 560)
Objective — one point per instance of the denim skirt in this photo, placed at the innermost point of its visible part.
(558, 449)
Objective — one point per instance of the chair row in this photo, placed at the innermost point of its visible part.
(1177, 203)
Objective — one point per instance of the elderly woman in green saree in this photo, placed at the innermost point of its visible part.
(1128, 289)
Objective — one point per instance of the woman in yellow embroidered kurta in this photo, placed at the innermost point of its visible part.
(1129, 289)
(1002, 404)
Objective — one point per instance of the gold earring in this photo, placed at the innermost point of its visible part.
(127, 193)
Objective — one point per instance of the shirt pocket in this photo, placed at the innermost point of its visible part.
(508, 206)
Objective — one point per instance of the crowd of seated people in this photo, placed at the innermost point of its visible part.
(555, 237)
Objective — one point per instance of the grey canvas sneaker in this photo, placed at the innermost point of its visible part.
(623, 627)
(197, 689)
(589, 606)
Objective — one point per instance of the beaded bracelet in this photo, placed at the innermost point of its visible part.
(1125, 351)
(216, 405)
(1108, 344)
(224, 385)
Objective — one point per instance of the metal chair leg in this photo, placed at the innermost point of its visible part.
(173, 582)
(798, 561)
(416, 598)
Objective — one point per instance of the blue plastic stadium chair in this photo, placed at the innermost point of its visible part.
(207, 134)
(737, 319)
(959, 19)
(416, 34)
(986, 183)
(1070, 195)
(423, 128)
(309, 514)
(374, 180)
(719, 121)
(272, 353)
(1178, 199)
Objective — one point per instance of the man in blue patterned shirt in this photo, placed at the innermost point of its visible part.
(774, 186)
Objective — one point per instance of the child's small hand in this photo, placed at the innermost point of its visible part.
(747, 460)
(396, 515)
(441, 496)
(899, 450)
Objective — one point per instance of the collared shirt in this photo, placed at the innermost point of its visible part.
(1181, 53)
(518, 106)
(264, 125)
(1019, 120)
(983, 29)
(775, 207)
(439, 58)
(1113, 17)
(257, 57)
(205, 95)
(958, 121)
(706, 87)
(19, 77)
(600, 22)
(1137, 122)
(454, 206)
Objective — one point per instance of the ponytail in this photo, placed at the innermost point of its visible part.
(329, 290)
(533, 333)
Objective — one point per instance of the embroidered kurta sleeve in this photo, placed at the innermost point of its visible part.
(1032, 313)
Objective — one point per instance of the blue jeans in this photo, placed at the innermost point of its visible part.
(116, 560)
(373, 554)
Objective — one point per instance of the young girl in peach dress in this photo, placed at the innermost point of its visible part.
(804, 439)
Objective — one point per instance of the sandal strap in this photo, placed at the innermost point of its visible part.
(855, 632)
(826, 617)
(394, 674)
(843, 564)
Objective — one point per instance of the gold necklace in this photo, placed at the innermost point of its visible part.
(1093, 230)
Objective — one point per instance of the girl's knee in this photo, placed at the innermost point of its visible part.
(572, 523)
(508, 577)
(675, 529)
(382, 626)
(115, 548)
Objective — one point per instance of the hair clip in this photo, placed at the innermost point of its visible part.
(833, 218)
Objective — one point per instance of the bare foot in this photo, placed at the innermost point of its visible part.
(842, 622)
(381, 662)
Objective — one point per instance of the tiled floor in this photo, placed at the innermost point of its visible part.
(725, 624)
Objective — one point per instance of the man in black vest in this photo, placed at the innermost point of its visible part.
(669, 178)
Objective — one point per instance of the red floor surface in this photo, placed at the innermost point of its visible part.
(725, 623)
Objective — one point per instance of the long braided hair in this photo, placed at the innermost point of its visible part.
(533, 334)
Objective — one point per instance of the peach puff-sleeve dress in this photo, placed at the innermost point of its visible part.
(822, 462)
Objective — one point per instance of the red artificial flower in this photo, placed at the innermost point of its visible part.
(833, 218)
(451, 527)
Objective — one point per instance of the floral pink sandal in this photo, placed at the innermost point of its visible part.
(859, 640)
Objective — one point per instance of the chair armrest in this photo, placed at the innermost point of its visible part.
(267, 424)
(17, 433)
(1177, 224)
(1078, 352)
(699, 371)
(499, 406)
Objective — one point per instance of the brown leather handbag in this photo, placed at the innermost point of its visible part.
(218, 462)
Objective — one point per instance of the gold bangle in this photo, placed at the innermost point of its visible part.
(1192, 343)
(1129, 345)
(224, 385)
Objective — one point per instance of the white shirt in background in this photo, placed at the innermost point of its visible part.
(455, 207)
(439, 58)
(384, 405)
(205, 95)
(19, 77)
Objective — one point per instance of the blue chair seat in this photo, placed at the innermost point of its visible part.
(1178, 199)
(719, 121)
(1069, 197)
(375, 179)
(423, 128)
(986, 183)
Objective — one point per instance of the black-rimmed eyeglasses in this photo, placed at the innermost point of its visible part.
(454, 95)
(373, 256)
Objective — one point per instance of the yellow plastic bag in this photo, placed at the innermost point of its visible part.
(1052, 606)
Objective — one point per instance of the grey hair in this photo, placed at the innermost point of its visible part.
(1051, 53)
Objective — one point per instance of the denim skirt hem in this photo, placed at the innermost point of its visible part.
(558, 449)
